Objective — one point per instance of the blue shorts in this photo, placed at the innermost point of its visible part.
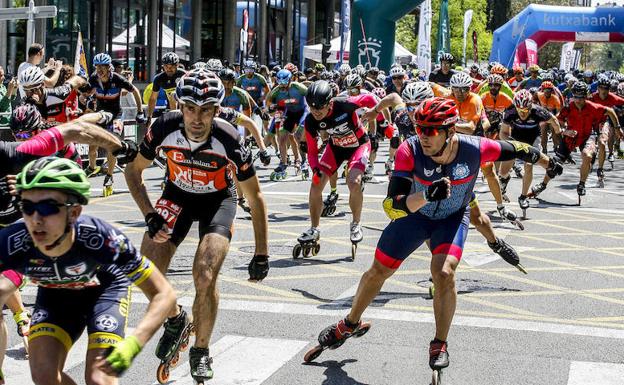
(403, 236)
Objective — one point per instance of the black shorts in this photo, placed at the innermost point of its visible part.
(215, 212)
(292, 120)
(64, 314)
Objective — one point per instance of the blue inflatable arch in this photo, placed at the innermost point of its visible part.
(545, 23)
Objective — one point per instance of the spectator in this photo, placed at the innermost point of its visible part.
(6, 95)
(36, 54)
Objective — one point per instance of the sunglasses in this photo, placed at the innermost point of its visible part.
(427, 131)
(23, 135)
(522, 109)
(494, 85)
(463, 90)
(398, 77)
(45, 207)
(411, 107)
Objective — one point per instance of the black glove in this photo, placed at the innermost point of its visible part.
(258, 267)
(303, 147)
(438, 190)
(554, 168)
(127, 152)
(141, 118)
(265, 158)
(155, 223)
(5, 194)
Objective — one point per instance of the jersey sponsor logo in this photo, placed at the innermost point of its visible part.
(76, 269)
(342, 117)
(90, 237)
(38, 316)
(40, 269)
(461, 171)
(37, 261)
(197, 181)
(20, 241)
(345, 141)
(169, 211)
(323, 125)
(429, 173)
(340, 129)
(106, 323)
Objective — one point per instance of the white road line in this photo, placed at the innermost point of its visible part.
(243, 360)
(595, 373)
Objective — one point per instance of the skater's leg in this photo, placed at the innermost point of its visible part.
(356, 196)
(492, 181)
(47, 357)
(370, 285)
(443, 268)
(208, 260)
(586, 155)
(527, 179)
(93, 156)
(481, 222)
(160, 254)
(315, 200)
(111, 160)
(282, 140)
(94, 375)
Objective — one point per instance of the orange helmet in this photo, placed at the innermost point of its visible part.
(499, 69)
(547, 85)
(291, 67)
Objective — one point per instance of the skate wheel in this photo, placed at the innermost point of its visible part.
(436, 377)
(506, 198)
(316, 249)
(523, 215)
(362, 330)
(519, 225)
(185, 340)
(353, 251)
(162, 373)
(306, 251)
(174, 360)
(579, 200)
(296, 251)
(313, 354)
(331, 210)
(431, 291)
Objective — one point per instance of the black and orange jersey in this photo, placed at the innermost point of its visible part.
(198, 168)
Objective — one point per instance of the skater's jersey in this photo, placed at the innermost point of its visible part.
(100, 256)
(15, 155)
(108, 94)
(436, 76)
(254, 85)
(198, 168)
(166, 82)
(612, 100)
(237, 99)
(291, 99)
(473, 151)
(526, 130)
(53, 107)
(583, 121)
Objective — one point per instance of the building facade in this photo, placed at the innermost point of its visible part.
(138, 32)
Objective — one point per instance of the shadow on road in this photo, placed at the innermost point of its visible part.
(335, 373)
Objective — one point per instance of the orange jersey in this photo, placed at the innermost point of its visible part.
(439, 91)
(471, 109)
(551, 104)
(500, 104)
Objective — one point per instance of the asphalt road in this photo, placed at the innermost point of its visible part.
(562, 324)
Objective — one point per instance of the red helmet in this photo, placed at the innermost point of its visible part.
(499, 69)
(517, 69)
(523, 99)
(436, 112)
(547, 85)
(291, 67)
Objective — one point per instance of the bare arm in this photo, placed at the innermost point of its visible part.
(250, 125)
(390, 101)
(134, 179)
(137, 99)
(152, 103)
(505, 131)
(85, 132)
(251, 190)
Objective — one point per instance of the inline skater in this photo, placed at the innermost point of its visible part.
(348, 141)
(442, 75)
(80, 260)
(580, 117)
(165, 80)
(256, 86)
(106, 85)
(200, 149)
(524, 122)
(533, 81)
(288, 98)
(606, 139)
(422, 205)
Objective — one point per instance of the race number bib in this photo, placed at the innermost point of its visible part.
(169, 211)
(345, 141)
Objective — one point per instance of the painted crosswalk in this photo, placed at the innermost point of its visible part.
(595, 373)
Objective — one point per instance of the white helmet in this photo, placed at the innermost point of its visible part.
(214, 65)
(417, 92)
(353, 81)
(461, 80)
(397, 71)
(344, 69)
(200, 65)
(31, 77)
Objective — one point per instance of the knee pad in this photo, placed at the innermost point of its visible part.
(395, 142)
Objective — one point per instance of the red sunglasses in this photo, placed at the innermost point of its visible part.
(427, 131)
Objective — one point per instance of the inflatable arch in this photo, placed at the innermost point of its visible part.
(373, 25)
(545, 23)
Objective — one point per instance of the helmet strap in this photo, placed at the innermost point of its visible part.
(446, 143)
(63, 236)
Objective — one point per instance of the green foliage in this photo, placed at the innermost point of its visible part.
(407, 34)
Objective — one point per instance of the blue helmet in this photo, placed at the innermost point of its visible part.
(102, 59)
(284, 76)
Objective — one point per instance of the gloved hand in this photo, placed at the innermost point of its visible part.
(5, 193)
(141, 118)
(258, 267)
(396, 207)
(554, 168)
(120, 356)
(438, 190)
(265, 158)
(127, 152)
(155, 222)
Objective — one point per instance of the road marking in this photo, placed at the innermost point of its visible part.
(243, 360)
(595, 373)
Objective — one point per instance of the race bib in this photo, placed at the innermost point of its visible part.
(169, 211)
(345, 141)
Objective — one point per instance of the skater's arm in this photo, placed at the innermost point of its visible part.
(84, 131)
(390, 101)
(134, 179)
(613, 116)
(253, 128)
(251, 190)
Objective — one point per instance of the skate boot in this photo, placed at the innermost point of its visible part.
(507, 252)
(508, 215)
(308, 243)
(600, 174)
(611, 159)
(279, 173)
(108, 186)
(93, 172)
(503, 184)
(297, 166)
(537, 190)
(518, 171)
(389, 165)
(333, 336)
(242, 203)
(174, 340)
(368, 174)
(305, 171)
(523, 202)
(356, 237)
(438, 360)
(329, 204)
(581, 191)
(200, 361)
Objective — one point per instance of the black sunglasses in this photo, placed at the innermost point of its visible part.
(45, 207)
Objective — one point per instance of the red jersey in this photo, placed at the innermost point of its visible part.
(582, 120)
(612, 100)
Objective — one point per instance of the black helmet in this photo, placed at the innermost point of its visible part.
(580, 89)
(25, 119)
(446, 56)
(227, 75)
(319, 94)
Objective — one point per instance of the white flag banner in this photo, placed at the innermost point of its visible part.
(467, 21)
(567, 56)
(424, 38)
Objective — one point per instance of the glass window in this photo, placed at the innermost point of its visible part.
(212, 28)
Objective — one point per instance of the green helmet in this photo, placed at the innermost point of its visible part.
(52, 173)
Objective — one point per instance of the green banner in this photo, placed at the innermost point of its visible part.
(444, 30)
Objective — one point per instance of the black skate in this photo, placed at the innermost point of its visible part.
(200, 361)
(509, 216)
(581, 191)
(536, 190)
(508, 253)
(600, 175)
(174, 340)
(332, 337)
(308, 244)
(329, 204)
(523, 202)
